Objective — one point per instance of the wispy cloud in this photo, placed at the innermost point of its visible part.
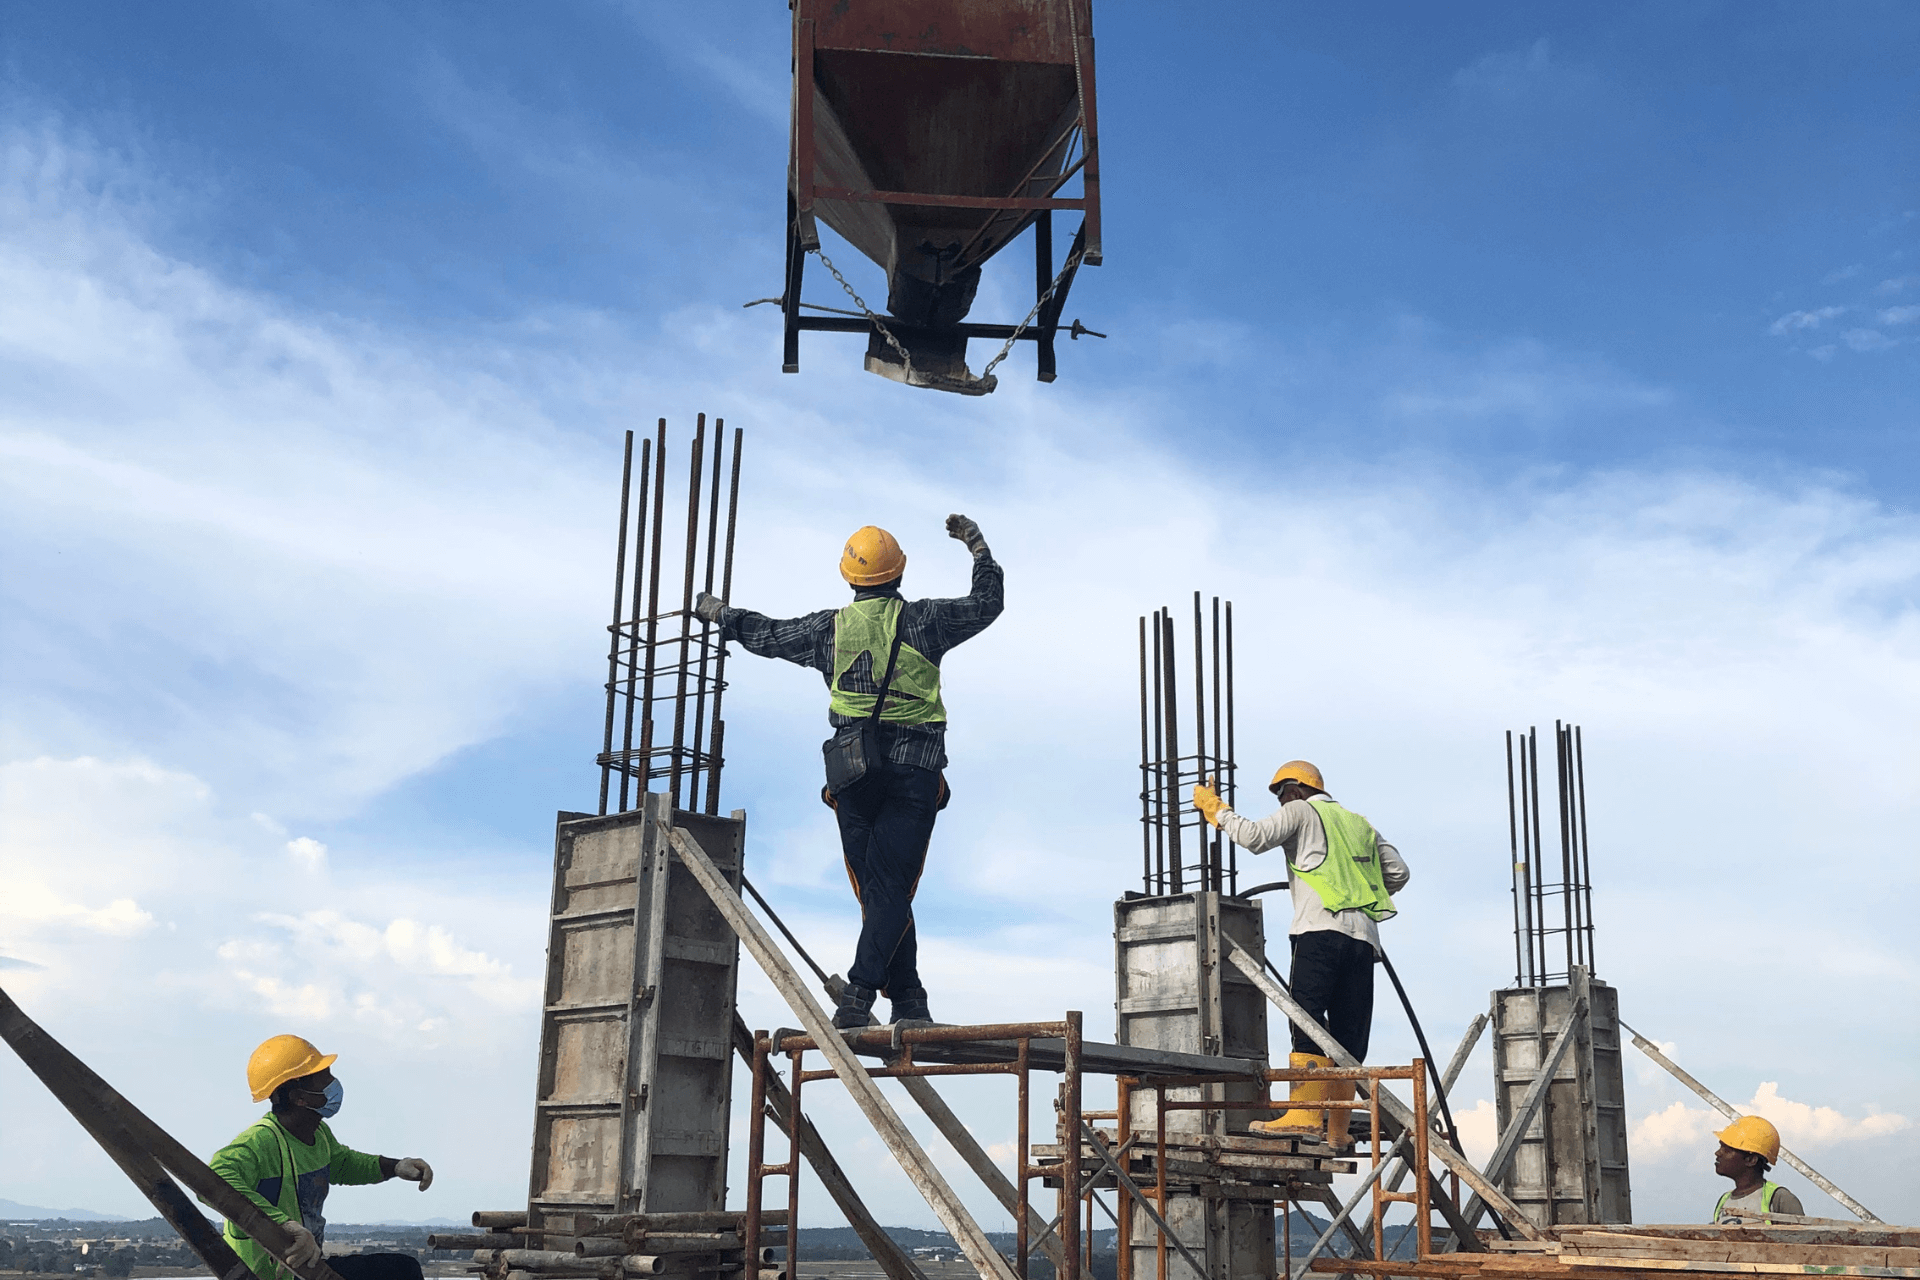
(1794, 321)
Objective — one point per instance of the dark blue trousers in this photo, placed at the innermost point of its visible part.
(1333, 978)
(886, 820)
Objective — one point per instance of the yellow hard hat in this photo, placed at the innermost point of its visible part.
(281, 1059)
(1751, 1133)
(872, 557)
(1297, 771)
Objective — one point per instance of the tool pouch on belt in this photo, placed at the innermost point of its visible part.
(852, 751)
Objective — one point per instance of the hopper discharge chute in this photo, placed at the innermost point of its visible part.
(929, 134)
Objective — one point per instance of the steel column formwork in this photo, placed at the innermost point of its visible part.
(1571, 1162)
(636, 1041)
(1172, 992)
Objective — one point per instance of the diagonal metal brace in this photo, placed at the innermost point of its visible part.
(1126, 1183)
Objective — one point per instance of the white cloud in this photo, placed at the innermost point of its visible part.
(1689, 1129)
(1900, 315)
(1797, 320)
(1507, 73)
(309, 853)
(1867, 340)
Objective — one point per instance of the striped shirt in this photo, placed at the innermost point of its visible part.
(929, 627)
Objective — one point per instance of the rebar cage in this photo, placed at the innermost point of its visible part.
(658, 660)
(1536, 899)
(1166, 773)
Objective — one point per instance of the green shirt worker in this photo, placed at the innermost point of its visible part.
(1748, 1148)
(287, 1159)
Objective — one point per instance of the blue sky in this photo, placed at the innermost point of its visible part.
(1501, 362)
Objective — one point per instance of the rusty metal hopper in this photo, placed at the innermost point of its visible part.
(929, 134)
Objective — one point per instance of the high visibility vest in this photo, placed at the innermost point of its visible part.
(868, 626)
(1349, 878)
(1766, 1199)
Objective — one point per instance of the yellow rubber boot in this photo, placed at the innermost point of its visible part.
(1300, 1122)
(1339, 1091)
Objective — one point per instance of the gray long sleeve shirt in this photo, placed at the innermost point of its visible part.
(1296, 828)
(929, 627)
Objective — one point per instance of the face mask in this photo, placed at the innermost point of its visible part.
(331, 1107)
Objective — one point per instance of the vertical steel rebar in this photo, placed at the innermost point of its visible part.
(633, 640)
(675, 761)
(1586, 863)
(1146, 816)
(720, 659)
(613, 629)
(699, 761)
(1200, 739)
(1539, 883)
(1233, 761)
(1567, 915)
(1176, 857)
(1159, 764)
(1513, 865)
(1219, 859)
(653, 611)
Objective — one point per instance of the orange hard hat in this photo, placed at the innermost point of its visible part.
(872, 557)
(280, 1059)
(1751, 1133)
(1297, 771)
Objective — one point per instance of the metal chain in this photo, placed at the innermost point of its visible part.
(1073, 260)
(867, 311)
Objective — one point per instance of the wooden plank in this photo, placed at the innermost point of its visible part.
(919, 1167)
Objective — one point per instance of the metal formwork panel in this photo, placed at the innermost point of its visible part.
(1173, 990)
(635, 1074)
(1571, 1165)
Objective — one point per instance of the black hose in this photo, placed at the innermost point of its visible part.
(1433, 1069)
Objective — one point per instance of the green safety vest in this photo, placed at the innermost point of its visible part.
(1766, 1199)
(868, 626)
(1350, 876)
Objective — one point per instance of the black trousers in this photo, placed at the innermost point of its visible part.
(376, 1266)
(1333, 978)
(886, 820)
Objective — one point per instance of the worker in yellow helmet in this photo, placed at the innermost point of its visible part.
(1342, 876)
(880, 656)
(1748, 1148)
(285, 1162)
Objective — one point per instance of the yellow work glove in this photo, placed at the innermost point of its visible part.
(1208, 802)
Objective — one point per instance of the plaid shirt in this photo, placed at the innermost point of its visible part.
(929, 627)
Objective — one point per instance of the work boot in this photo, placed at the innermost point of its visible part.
(910, 1008)
(1301, 1122)
(856, 1007)
(1339, 1136)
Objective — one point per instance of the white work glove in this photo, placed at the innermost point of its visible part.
(305, 1250)
(707, 607)
(414, 1169)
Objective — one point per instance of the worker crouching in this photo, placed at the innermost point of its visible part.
(880, 656)
(1343, 877)
(286, 1161)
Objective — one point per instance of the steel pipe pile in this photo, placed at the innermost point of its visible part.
(1169, 825)
(1544, 908)
(610, 1246)
(668, 668)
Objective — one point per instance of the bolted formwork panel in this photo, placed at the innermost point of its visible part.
(1571, 1165)
(1174, 990)
(635, 1072)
